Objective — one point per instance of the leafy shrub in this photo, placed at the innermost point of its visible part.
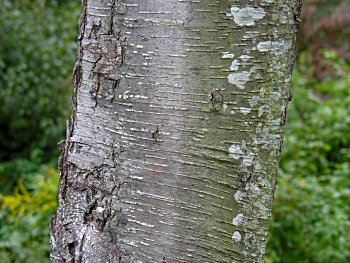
(311, 213)
(20, 168)
(36, 61)
(25, 218)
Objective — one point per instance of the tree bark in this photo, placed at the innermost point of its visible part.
(176, 132)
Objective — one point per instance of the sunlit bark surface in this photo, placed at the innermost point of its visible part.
(176, 132)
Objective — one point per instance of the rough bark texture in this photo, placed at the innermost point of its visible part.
(176, 132)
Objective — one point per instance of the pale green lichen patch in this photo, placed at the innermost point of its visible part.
(234, 65)
(264, 109)
(227, 55)
(245, 57)
(238, 220)
(235, 152)
(275, 96)
(236, 237)
(239, 79)
(246, 16)
(254, 101)
(278, 48)
(244, 110)
(239, 196)
(248, 159)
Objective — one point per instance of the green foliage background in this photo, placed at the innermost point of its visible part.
(311, 213)
(38, 42)
(36, 60)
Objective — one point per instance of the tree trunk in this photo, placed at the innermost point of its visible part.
(176, 132)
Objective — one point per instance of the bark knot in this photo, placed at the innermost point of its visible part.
(215, 100)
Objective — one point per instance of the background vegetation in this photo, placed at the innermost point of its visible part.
(311, 214)
(36, 61)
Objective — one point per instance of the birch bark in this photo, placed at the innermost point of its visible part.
(176, 132)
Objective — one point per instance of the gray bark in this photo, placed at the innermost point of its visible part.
(176, 132)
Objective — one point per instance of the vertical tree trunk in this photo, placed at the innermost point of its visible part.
(176, 132)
